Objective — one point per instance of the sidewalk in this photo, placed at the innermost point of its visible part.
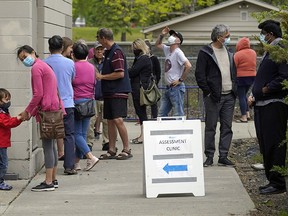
(116, 188)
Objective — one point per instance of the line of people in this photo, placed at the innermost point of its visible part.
(218, 72)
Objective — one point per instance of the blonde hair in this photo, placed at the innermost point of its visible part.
(141, 45)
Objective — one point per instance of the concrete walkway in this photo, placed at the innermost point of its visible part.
(116, 188)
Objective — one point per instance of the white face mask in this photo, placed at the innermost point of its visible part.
(171, 40)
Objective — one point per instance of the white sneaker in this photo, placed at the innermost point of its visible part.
(77, 166)
(91, 163)
(258, 166)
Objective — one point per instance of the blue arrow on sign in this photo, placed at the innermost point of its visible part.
(175, 168)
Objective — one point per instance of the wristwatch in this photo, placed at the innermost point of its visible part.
(181, 80)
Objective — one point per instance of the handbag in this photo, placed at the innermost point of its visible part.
(85, 109)
(151, 95)
(51, 124)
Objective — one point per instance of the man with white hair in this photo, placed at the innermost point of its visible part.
(216, 76)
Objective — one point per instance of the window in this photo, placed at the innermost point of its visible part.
(243, 16)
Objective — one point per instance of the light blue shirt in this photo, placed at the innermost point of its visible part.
(64, 70)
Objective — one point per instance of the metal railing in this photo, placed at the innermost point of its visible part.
(193, 102)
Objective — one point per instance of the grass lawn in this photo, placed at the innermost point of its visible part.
(89, 34)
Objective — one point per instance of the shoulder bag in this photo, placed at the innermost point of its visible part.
(85, 109)
(151, 95)
(52, 124)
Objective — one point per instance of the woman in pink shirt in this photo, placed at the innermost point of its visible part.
(45, 97)
(83, 86)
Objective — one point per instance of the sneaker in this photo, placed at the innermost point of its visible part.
(224, 161)
(91, 163)
(4, 186)
(208, 162)
(105, 146)
(55, 183)
(258, 166)
(43, 187)
(70, 171)
(77, 166)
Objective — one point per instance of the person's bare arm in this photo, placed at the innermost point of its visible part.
(158, 42)
(110, 76)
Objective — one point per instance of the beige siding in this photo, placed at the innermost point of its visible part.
(55, 17)
(198, 29)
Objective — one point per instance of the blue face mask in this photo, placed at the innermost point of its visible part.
(28, 61)
(262, 38)
(227, 41)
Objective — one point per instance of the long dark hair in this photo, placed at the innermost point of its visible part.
(26, 48)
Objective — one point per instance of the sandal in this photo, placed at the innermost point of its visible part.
(133, 140)
(108, 155)
(4, 186)
(137, 141)
(124, 155)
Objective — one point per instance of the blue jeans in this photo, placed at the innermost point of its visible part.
(81, 128)
(242, 94)
(69, 140)
(173, 97)
(3, 163)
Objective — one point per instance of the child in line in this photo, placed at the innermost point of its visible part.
(6, 123)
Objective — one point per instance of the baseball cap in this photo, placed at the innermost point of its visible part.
(97, 44)
(178, 34)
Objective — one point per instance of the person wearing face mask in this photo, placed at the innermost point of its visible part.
(45, 97)
(6, 123)
(270, 109)
(177, 67)
(64, 70)
(245, 61)
(140, 74)
(216, 76)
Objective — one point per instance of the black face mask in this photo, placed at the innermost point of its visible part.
(137, 52)
(5, 106)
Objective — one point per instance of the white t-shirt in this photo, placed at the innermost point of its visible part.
(174, 64)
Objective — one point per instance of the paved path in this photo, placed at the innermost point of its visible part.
(116, 188)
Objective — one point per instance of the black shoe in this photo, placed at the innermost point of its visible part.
(272, 190)
(97, 135)
(70, 171)
(208, 162)
(224, 161)
(55, 183)
(265, 186)
(43, 187)
(105, 147)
